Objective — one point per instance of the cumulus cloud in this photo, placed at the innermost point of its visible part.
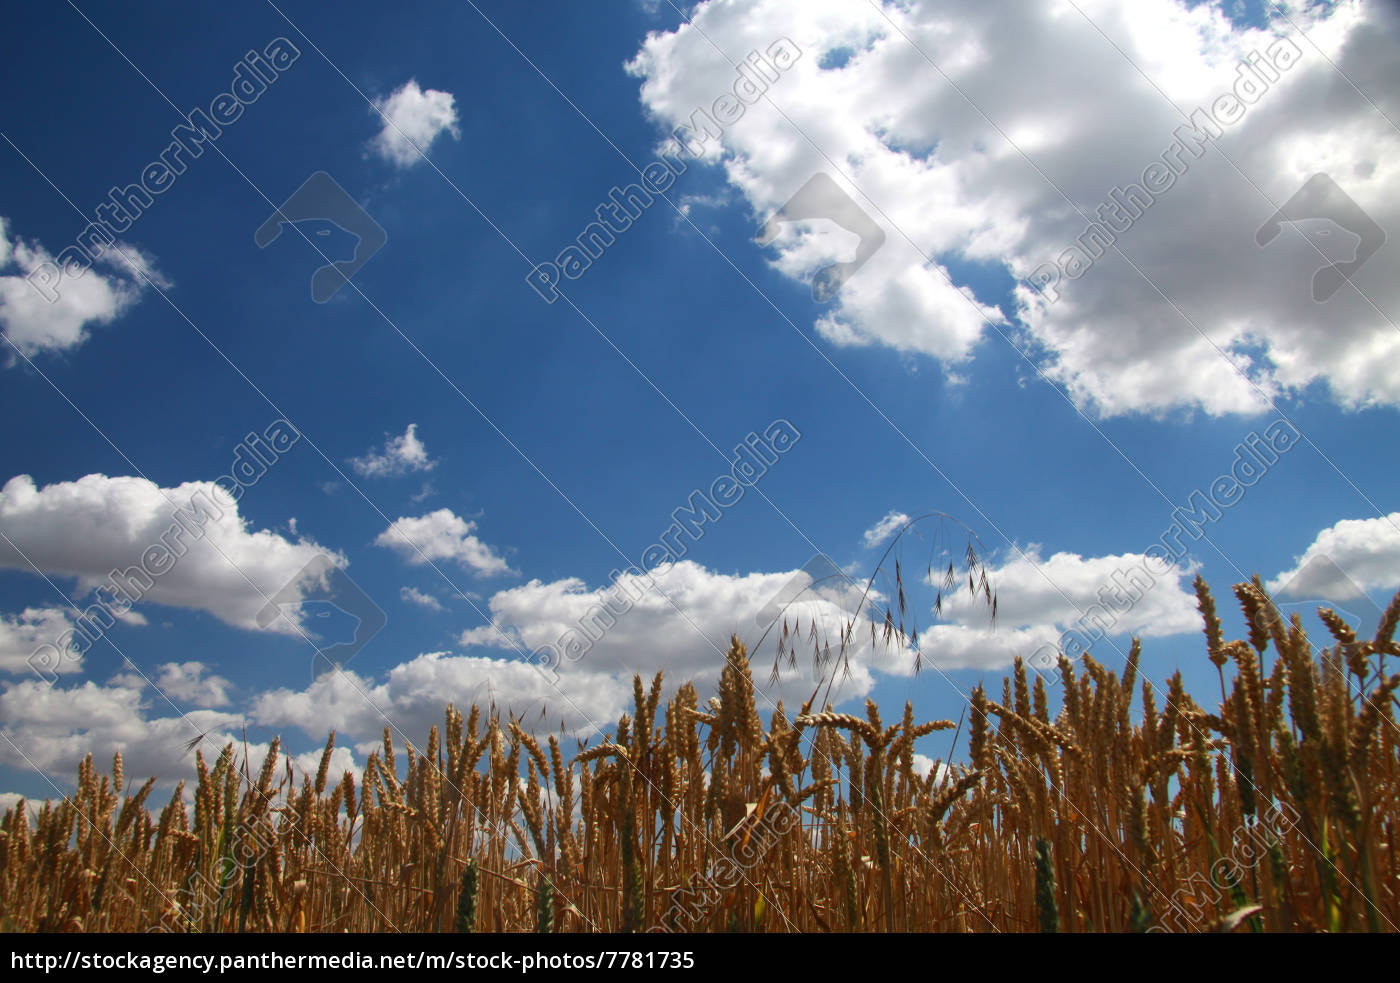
(883, 529)
(23, 633)
(98, 524)
(399, 455)
(35, 322)
(1352, 555)
(924, 765)
(1039, 600)
(965, 126)
(8, 801)
(187, 682)
(413, 116)
(681, 624)
(680, 620)
(415, 693)
(53, 728)
(1033, 590)
(441, 535)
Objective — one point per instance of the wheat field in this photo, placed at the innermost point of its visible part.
(1129, 807)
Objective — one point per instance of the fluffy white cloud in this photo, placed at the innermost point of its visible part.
(23, 633)
(98, 524)
(964, 123)
(416, 692)
(680, 625)
(923, 764)
(53, 728)
(1032, 590)
(8, 800)
(415, 596)
(187, 683)
(957, 646)
(684, 626)
(680, 620)
(413, 116)
(35, 322)
(1354, 554)
(882, 530)
(441, 535)
(400, 455)
(1039, 600)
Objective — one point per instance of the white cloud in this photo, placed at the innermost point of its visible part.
(686, 640)
(680, 620)
(36, 323)
(1040, 599)
(923, 764)
(683, 633)
(882, 530)
(589, 693)
(400, 455)
(1363, 553)
(98, 524)
(957, 646)
(56, 727)
(133, 617)
(490, 636)
(8, 801)
(441, 535)
(1032, 590)
(22, 633)
(923, 149)
(415, 693)
(415, 596)
(681, 626)
(187, 682)
(414, 116)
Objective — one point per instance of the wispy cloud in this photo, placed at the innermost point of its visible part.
(882, 530)
(413, 595)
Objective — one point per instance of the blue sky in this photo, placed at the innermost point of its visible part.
(478, 461)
